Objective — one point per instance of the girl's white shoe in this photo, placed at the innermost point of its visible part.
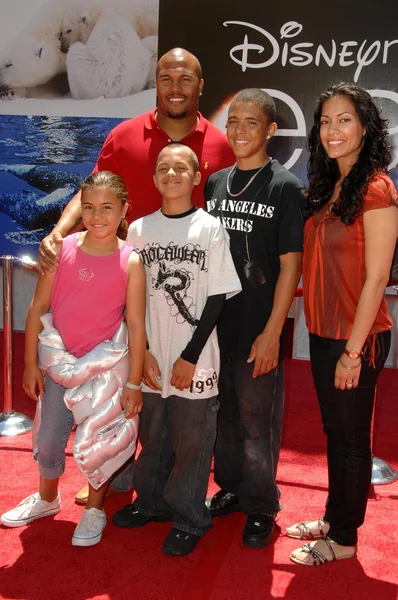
(30, 509)
(90, 527)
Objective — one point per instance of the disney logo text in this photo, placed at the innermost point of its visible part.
(304, 53)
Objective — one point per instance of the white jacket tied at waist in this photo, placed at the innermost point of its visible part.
(104, 438)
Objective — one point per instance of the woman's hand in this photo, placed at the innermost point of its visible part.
(347, 372)
(131, 402)
(33, 381)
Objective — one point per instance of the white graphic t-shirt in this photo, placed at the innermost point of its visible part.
(186, 259)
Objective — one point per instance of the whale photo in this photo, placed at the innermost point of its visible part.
(43, 162)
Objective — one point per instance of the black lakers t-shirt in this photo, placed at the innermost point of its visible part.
(263, 222)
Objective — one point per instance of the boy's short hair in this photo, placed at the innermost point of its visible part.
(259, 97)
(195, 160)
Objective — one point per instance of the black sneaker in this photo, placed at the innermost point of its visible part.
(129, 516)
(179, 543)
(223, 503)
(258, 531)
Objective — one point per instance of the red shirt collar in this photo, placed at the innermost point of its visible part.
(151, 123)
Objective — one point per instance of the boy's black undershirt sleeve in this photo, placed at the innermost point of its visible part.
(208, 320)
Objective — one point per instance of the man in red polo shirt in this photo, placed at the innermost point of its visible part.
(132, 147)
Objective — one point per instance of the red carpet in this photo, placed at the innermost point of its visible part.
(38, 562)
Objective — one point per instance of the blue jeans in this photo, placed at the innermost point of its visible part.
(249, 434)
(55, 428)
(346, 417)
(173, 468)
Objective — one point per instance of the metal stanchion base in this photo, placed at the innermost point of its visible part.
(14, 423)
(382, 473)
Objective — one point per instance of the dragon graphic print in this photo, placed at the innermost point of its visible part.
(172, 278)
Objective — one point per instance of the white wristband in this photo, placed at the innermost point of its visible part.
(132, 386)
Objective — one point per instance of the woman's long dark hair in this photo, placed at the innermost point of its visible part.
(323, 171)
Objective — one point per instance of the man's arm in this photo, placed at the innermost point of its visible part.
(265, 350)
(69, 221)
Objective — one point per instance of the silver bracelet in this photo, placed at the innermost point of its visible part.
(132, 386)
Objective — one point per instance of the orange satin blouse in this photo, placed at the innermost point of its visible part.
(334, 266)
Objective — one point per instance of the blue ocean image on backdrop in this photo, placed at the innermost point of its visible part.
(43, 161)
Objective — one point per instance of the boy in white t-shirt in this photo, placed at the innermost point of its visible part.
(189, 274)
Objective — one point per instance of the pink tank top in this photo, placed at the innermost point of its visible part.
(88, 296)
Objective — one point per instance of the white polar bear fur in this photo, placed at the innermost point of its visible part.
(151, 43)
(113, 62)
(34, 56)
(38, 53)
(83, 15)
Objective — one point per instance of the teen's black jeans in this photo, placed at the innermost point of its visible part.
(173, 468)
(346, 417)
(249, 434)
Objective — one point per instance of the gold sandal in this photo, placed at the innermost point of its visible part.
(318, 558)
(305, 533)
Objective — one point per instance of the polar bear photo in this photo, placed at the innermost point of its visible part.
(77, 49)
(103, 66)
(82, 16)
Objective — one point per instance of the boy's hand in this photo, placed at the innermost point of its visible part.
(33, 381)
(47, 256)
(182, 374)
(265, 353)
(151, 375)
(131, 402)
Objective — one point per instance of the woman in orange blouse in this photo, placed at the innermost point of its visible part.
(349, 240)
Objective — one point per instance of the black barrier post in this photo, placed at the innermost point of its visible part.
(11, 422)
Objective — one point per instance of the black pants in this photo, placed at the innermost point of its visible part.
(173, 468)
(346, 417)
(249, 434)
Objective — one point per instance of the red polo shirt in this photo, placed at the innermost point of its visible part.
(131, 150)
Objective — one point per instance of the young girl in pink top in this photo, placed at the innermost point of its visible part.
(98, 277)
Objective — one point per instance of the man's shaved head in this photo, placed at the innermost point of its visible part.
(178, 57)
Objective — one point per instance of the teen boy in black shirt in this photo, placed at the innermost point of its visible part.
(259, 202)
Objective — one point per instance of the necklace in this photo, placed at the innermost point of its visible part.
(232, 171)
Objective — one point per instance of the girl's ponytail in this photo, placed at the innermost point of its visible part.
(122, 229)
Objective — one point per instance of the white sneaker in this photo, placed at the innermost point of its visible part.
(30, 509)
(90, 527)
